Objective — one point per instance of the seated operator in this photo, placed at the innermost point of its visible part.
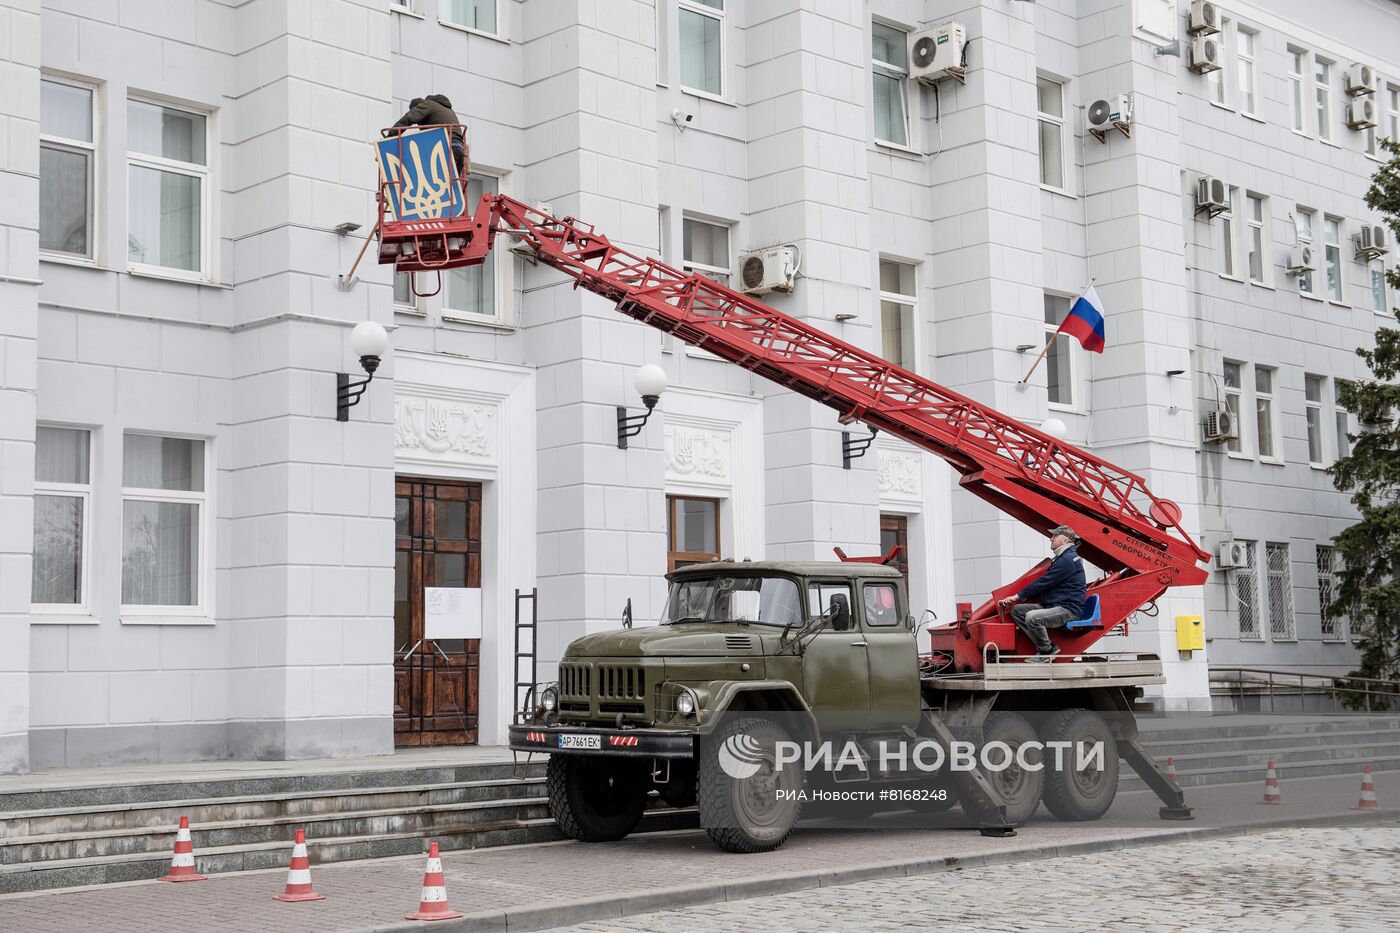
(1058, 594)
(436, 110)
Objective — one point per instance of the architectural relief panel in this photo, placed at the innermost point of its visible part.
(452, 429)
(699, 455)
(901, 475)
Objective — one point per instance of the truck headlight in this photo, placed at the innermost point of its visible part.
(685, 703)
(549, 699)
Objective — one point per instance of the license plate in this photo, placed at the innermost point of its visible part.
(580, 741)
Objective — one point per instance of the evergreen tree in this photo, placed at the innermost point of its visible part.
(1368, 578)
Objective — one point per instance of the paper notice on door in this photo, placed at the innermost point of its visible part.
(451, 612)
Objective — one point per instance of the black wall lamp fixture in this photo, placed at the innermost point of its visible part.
(369, 342)
(855, 448)
(650, 382)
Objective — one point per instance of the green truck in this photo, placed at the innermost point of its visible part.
(771, 685)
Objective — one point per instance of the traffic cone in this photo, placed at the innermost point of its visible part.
(299, 875)
(1171, 772)
(1368, 799)
(433, 904)
(1272, 797)
(182, 862)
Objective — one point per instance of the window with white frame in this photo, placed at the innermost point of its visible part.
(897, 318)
(889, 52)
(1297, 101)
(1322, 95)
(1059, 360)
(1218, 79)
(1333, 627)
(1050, 96)
(1375, 269)
(62, 498)
(1303, 230)
(1246, 593)
(1342, 417)
(405, 301)
(1233, 379)
(705, 249)
(1227, 234)
(1392, 112)
(480, 15)
(1246, 41)
(168, 187)
(470, 292)
(1313, 387)
(1373, 133)
(1282, 626)
(702, 46)
(67, 168)
(1254, 218)
(1264, 412)
(163, 516)
(401, 5)
(1332, 255)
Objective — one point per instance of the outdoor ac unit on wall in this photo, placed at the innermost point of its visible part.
(1301, 260)
(1220, 425)
(1361, 79)
(937, 52)
(1204, 18)
(1109, 113)
(1361, 112)
(1205, 54)
(1371, 242)
(1231, 554)
(1212, 196)
(768, 270)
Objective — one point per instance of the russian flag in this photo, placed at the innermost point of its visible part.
(1084, 322)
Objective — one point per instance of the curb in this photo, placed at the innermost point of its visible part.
(613, 907)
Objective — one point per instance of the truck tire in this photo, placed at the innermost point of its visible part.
(745, 814)
(596, 799)
(1020, 788)
(1071, 794)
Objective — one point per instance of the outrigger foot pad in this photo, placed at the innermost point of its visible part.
(997, 830)
(1179, 813)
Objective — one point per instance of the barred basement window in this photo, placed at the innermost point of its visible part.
(1334, 628)
(1246, 592)
(1281, 623)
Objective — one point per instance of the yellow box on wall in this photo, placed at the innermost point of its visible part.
(1190, 634)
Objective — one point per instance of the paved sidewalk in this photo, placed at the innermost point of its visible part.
(540, 886)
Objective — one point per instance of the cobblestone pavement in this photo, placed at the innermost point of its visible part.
(1299, 879)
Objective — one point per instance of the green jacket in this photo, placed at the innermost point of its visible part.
(431, 111)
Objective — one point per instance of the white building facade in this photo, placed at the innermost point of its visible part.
(197, 560)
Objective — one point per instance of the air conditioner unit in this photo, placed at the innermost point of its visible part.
(1300, 260)
(1205, 54)
(1220, 425)
(1212, 196)
(1231, 554)
(1361, 112)
(1370, 242)
(1109, 113)
(1361, 79)
(1204, 18)
(937, 52)
(768, 270)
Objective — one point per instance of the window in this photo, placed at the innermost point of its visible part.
(472, 290)
(62, 491)
(1227, 235)
(167, 184)
(473, 14)
(1312, 408)
(1333, 629)
(1234, 388)
(1373, 133)
(823, 597)
(1376, 269)
(163, 499)
(705, 249)
(1332, 246)
(1245, 41)
(1264, 411)
(894, 531)
(1322, 94)
(881, 606)
(404, 299)
(1216, 80)
(1392, 112)
(1059, 361)
(889, 50)
(1298, 63)
(1281, 623)
(1051, 97)
(692, 531)
(1246, 593)
(1303, 229)
(702, 46)
(1343, 419)
(897, 318)
(1254, 217)
(67, 178)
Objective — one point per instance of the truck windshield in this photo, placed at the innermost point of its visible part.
(764, 600)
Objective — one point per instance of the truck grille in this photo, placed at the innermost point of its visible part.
(575, 680)
(602, 689)
(738, 642)
(621, 683)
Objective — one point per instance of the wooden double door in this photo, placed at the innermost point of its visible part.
(437, 543)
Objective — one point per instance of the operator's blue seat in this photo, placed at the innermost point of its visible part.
(1092, 617)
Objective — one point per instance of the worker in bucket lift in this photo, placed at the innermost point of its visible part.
(1058, 595)
(436, 110)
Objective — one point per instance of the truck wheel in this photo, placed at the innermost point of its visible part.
(746, 814)
(595, 799)
(1019, 788)
(1070, 793)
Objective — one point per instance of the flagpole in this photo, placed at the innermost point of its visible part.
(1043, 350)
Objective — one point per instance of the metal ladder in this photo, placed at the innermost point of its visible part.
(525, 689)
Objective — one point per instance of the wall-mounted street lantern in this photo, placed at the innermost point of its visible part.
(369, 342)
(853, 448)
(650, 382)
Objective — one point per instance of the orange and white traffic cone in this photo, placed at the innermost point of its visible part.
(1368, 799)
(1272, 797)
(433, 904)
(1171, 772)
(299, 875)
(182, 862)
